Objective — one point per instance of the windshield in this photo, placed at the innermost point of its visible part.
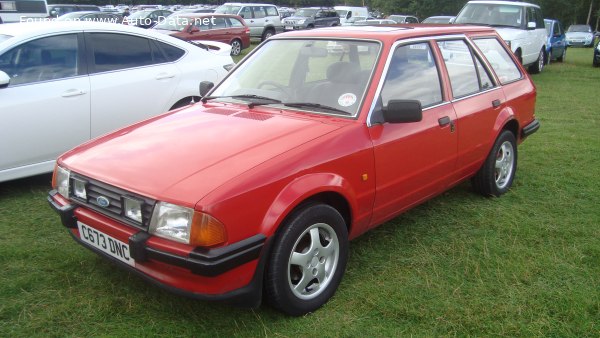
(317, 76)
(228, 9)
(491, 15)
(139, 15)
(306, 12)
(579, 28)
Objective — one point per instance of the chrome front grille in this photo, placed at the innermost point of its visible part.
(98, 192)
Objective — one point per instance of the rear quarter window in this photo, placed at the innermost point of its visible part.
(503, 65)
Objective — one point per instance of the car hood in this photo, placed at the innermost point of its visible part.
(297, 17)
(509, 34)
(578, 35)
(155, 158)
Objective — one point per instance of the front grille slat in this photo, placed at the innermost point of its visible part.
(96, 189)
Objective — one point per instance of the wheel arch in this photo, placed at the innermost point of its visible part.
(330, 189)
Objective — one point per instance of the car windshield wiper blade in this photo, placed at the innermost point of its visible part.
(314, 105)
(245, 96)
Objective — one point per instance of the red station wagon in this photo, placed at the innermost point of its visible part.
(313, 139)
(230, 29)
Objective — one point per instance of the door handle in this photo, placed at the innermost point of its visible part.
(73, 92)
(496, 103)
(163, 76)
(444, 121)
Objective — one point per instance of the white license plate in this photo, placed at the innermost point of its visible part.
(105, 243)
(289, 28)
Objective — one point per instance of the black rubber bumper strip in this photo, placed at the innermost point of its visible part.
(530, 128)
(201, 261)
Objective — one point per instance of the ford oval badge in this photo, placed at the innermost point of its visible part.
(103, 201)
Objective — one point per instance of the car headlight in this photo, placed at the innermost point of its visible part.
(301, 22)
(61, 181)
(133, 208)
(185, 225)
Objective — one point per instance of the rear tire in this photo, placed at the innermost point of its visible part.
(269, 32)
(498, 171)
(538, 66)
(236, 47)
(308, 260)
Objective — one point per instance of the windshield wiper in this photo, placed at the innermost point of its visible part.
(314, 105)
(245, 96)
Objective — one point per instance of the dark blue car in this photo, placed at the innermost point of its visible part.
(556, 48)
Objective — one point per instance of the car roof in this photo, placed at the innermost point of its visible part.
(32, 29)
(248, 4)
(389, 33)
(500, 2)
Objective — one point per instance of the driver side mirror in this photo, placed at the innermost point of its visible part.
(403, 111)
(205, 87)
(193, 29)
(4, 79)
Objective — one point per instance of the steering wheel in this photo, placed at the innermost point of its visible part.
(283, 89)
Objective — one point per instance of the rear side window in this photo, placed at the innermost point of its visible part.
(259, 12)
(412, 75)
(504, 66)
(235, 22)
(272, 11)
(171, 53)
(467, 75)
(119, 51)
(219, 23)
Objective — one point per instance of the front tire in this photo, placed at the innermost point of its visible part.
(498, 171)
(308, 260)
(563, 56)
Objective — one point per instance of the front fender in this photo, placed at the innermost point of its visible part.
(302, 189)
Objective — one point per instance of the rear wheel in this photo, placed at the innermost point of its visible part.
(538, 66)
(308, 260)
(269, 32)
(498, 171)
(236, 47)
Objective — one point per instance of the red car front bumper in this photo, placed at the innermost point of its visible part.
(231, 273)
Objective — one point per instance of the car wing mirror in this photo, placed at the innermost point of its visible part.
(403, 111)
(205, 87)
(4, 79)
(531, 25)
(193, 29)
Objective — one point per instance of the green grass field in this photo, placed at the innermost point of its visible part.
(526, 264)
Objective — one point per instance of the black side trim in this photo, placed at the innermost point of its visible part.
(213, 262)
(530, 128)
(65, 212)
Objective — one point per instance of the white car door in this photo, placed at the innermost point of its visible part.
(130, 81)
(45, 110)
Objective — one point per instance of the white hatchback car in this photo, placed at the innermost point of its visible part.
(64, 83)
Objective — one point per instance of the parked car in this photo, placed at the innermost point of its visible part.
(226, 28)
(556, 47)
(374, 22)
(311, 17)
(147, 18)
(295, 153)
(63, 83)
(61, 9)
(91, 16)
(403, 18)
(596, 60)
(348, 13)
(263, 19)
(440, 19)
(580, 35)
(520, 24)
